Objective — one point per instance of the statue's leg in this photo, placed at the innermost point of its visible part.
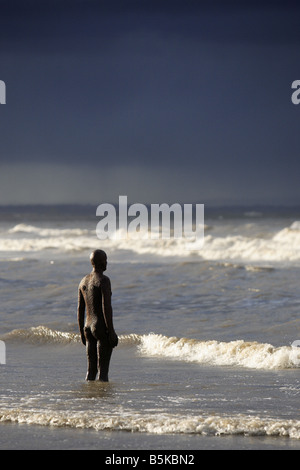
(91, 352)
(104, 355)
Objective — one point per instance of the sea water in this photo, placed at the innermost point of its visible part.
(207, 354)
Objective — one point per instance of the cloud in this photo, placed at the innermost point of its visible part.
(60, 183)
(174, 104)
(84, 184)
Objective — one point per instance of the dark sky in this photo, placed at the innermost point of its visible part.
(162, 101)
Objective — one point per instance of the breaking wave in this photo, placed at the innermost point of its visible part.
(45, 335)
(41, 335)
(166, 423)
(281, 246)
(239, 353)
(46, 232)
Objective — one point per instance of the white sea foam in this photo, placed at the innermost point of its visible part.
(281, 246)
(233, 353)
(46, 232)
(158, 423)
(295, 225)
